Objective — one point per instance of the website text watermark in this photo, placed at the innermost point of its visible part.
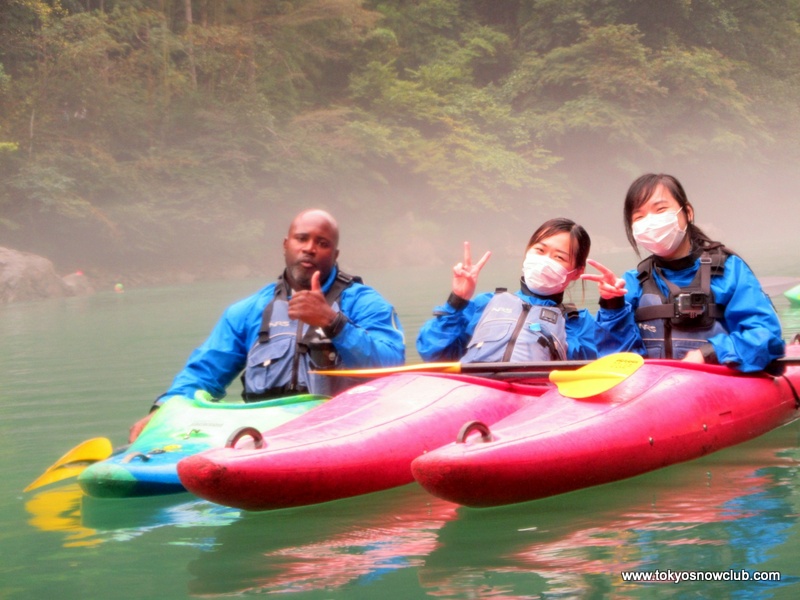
(670, 576)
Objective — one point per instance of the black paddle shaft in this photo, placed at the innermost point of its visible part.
(509, 367)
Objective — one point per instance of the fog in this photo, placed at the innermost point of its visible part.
(753, 211)
(749, 206)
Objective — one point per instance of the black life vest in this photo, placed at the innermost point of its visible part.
(684, 320)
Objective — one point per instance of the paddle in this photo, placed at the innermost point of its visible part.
(457, 367)
(521, 369)
(74, 461)
(590, 379)
(597, 377)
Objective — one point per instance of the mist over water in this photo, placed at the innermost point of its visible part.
(753, 211)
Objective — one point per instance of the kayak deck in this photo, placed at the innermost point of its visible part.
(180, 428)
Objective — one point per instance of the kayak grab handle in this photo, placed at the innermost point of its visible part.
(254, 433)
(140, 455)
(469, 427)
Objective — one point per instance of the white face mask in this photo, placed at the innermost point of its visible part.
(543, 275)
(659, 233)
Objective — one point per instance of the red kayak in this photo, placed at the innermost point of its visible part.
(665, 413)
(360, 441)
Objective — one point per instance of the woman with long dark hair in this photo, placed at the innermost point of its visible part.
(692, 298)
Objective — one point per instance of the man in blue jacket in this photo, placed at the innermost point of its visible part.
(314, 317)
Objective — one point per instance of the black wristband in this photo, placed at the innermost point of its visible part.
(158, 402)
(457, 302)
(336, 326)
(709, 354)
(616, 302)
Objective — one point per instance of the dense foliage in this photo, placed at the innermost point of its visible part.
(192, 128)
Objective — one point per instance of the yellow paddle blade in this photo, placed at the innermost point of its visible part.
(65, 472)
(74, 461)
(598, 376)
(440, 367)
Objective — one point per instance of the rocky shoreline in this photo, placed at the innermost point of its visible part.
(25, 277)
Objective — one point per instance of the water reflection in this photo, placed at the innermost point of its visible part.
(59, 509)
(710, 515)
(734, 510)
(348, 542)
(729, 512)
(88, 521)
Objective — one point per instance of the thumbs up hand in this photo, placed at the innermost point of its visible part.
(310, 305)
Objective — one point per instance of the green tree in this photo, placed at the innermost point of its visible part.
(191, 128)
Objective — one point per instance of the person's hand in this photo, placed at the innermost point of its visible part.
(137, 427)
(465, 274)
(694, 356)
(608, 284)
(310, 306)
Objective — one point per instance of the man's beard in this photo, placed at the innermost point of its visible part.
(300, 276)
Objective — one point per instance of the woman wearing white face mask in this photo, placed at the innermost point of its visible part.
(692, 299)
(532, 324)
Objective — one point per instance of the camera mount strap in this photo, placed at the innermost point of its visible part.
(699, 287)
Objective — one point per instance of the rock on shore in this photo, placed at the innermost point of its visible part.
(25, 276)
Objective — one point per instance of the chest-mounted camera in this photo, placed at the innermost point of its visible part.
(691, 305)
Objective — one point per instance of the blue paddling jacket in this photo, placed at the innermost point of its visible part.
(370, 337)
(747, 334)
(447, 335)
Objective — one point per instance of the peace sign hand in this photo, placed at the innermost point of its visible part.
(609, 285)
(465, 274)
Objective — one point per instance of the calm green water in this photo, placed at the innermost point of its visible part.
(84, 367)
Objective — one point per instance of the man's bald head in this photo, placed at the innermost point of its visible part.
(318, 216)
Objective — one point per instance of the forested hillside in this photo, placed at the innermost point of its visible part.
(189, 131)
